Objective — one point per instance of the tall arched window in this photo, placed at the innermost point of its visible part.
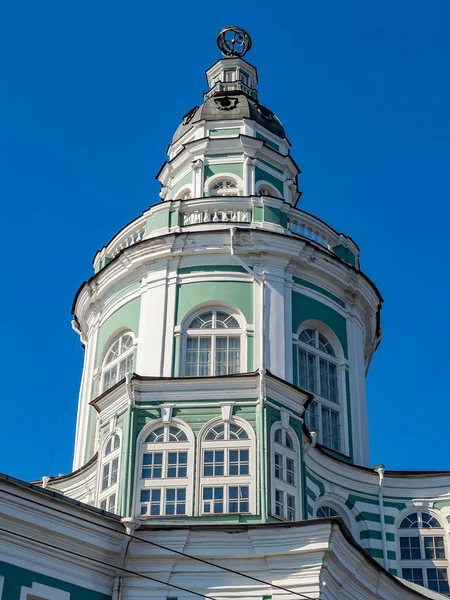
(213, 344)
(227, 475)
(109, 479)
(285, 474)
(318, 370)
(118, 361)
(423, 551)
(224, 187)
(166, 471)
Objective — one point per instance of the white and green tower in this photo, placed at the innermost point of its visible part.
(225, 329)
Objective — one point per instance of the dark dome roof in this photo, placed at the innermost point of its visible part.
(230, 105)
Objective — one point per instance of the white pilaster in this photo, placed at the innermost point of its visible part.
(249, 175)
(167, 357)
(360, 429)
(152, 322)
(289, 368)
(275, 313)
(85, 394)
(197, 178)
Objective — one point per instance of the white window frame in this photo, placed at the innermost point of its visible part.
(237, 190)
(214, 333)
(106, 367)
(281, 484)
(423, 532)
(112, 489)
(164, 483)
(341, 366)
(227, 481)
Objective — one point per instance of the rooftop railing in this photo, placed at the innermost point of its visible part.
(230, 209)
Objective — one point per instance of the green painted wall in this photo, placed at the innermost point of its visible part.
(345, 254)
(16, 577)
(126, 290)
(259, 136)
(185, 180)
(159, 220)
(126, 317)
(196, 418)
(212, 269)
(220, 132)
(319, 289)
(261, 175)
(264, 162)
(233, 168)
(304, 308)
(235, 293)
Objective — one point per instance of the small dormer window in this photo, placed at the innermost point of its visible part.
(229, 75)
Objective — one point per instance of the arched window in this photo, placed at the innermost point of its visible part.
(285, 472)
(224, 187)
(166, 471)
(318, 372)
(326, 512)
(263, 189)
(227, 475)
(109, 479)
(213, 344)
(423, 551)
(118, 361)
(185, 194)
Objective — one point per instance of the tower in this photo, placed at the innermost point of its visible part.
(223, 310)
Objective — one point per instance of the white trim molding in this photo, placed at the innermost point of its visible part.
(37, 591)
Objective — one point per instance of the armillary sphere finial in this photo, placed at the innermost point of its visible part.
(234, 41)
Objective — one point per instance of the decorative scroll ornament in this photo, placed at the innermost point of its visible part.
(234, 41)
(225, 102)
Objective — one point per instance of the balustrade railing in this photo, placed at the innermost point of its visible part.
(129, 240)
(218, 215)
(310, 232)
(130, 235)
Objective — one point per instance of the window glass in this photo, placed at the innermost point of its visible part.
(284, 458)
(164, 477)
(226, 451)
(422, 543)
(118, 361)
(318, 373)
(109, 478)
(210, 351)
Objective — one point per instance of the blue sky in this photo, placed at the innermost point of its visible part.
(90, 94)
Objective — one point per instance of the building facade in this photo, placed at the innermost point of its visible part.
(227, 337)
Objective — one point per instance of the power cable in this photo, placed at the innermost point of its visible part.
(201, 560)
(105, 564)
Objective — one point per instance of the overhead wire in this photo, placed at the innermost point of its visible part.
(179, 552)
(105, 564)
